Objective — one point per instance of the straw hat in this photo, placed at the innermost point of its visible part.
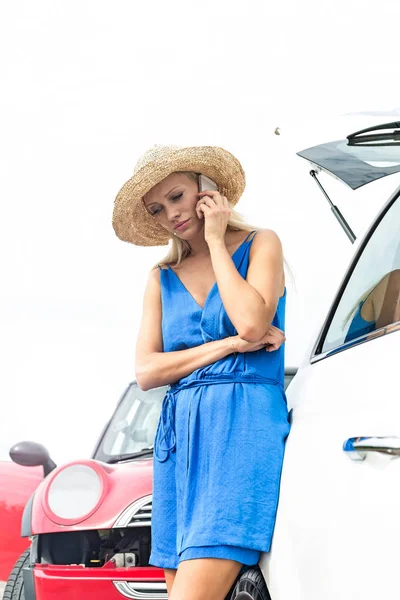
(131, 221)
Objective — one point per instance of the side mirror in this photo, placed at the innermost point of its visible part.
(32, 454)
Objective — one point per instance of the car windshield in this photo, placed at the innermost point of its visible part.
(132, 428)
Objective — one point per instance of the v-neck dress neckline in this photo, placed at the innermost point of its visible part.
(201, 308)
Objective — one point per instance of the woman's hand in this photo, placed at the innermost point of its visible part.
(272, 340)
(215, 210)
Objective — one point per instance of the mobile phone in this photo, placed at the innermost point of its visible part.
(205, 183)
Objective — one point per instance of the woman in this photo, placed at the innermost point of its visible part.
(211, 328)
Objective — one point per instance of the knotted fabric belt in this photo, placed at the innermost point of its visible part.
(165, 440)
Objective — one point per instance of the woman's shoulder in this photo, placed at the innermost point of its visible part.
(166, 266)
(268, 239)
(266, 234)
(154, 276)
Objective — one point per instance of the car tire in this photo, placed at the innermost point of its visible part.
(14, 589)
(251, 586)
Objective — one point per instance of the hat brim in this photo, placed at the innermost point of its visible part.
(131, 221)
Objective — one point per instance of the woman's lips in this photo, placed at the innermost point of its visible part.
(182, 225)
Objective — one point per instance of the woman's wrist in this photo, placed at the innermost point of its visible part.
(216, 244)
(230, 345)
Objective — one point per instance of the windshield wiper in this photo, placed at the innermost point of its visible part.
(130, 455)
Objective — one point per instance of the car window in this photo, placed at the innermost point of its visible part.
(133, 426)
(370, 299)
(355, 165)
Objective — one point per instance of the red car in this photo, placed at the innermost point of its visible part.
(89, 520)
(16, 487)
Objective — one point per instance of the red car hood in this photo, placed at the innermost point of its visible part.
(122, 484)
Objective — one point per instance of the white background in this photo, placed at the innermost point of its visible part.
(86, 87)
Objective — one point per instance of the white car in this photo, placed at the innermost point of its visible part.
(337, 533)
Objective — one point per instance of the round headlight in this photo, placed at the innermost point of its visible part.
(74, 492)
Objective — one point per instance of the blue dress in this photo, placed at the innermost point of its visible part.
(220, 440)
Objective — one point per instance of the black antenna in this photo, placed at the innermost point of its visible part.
(343, 223)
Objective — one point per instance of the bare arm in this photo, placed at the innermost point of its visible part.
(154, 367)
(250, 303)
(385, 299)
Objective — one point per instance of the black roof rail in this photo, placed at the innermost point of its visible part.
(376, 139)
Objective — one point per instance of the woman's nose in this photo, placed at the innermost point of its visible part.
(173, 213)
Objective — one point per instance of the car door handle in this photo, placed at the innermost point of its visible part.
(357, 448)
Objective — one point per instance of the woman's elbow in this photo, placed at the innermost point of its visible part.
(252, 333)
(143, 384)
(141, 381)
(256, 329)
(144, 377)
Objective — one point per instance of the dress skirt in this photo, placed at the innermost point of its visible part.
(218, 457)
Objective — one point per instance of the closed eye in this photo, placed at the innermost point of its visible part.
(173, 199)
(177, 196)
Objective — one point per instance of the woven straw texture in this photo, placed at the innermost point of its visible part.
(131, 221)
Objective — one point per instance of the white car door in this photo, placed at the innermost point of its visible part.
(337, 533)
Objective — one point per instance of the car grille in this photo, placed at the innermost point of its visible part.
(142, 516)
(137, 514)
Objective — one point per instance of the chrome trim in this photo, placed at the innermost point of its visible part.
(360, 249)
(127, 518)
(357, 448)
(367, 337)
(142, 590)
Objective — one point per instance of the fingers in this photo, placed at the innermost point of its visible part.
(212, 194)
(215, 197)
(205, 201)
(273, 329)
(203, 209)
(211, 202)
(215, 202)
(268, 343)
(274, 339)
(272, 347)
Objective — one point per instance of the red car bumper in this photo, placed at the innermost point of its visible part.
(50, 582)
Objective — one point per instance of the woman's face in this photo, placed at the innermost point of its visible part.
(172, 204)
